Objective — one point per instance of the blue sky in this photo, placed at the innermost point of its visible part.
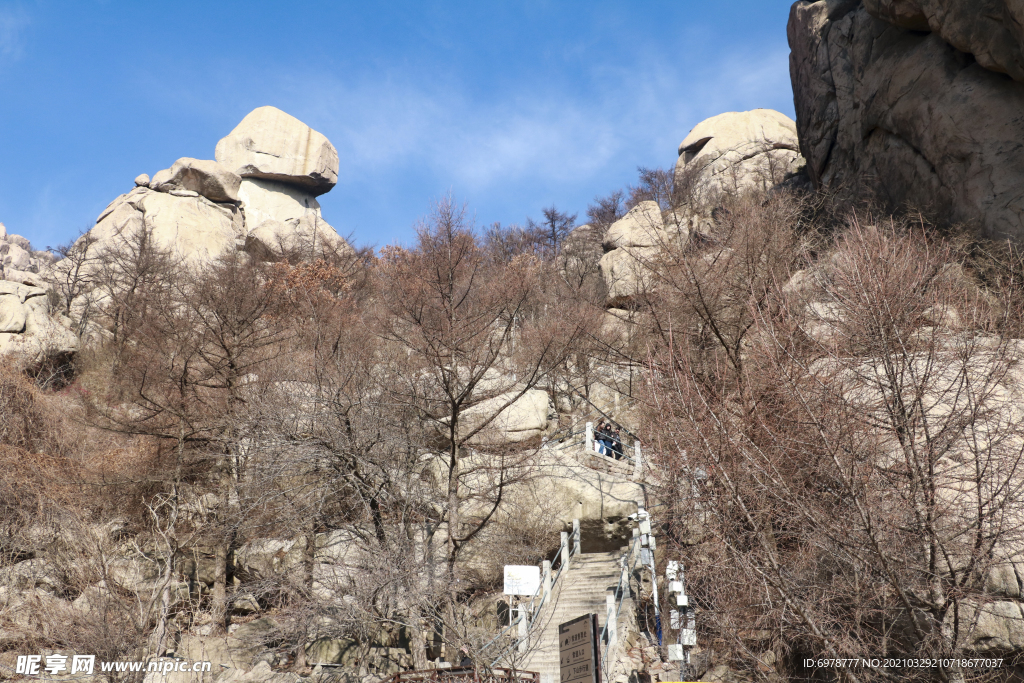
(511, 106)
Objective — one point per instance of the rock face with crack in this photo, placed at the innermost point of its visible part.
(914, 102)
(990, 30)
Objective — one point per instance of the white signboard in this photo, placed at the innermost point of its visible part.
(521, 579)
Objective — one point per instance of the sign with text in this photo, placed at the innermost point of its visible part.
(577, 650)
(521, 579)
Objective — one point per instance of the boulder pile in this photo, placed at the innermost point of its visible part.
(27, 330)
(259, 195)
(730, 153)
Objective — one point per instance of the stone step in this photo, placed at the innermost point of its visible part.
(582, 590)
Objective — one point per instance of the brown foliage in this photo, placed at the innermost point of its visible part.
(841, 481)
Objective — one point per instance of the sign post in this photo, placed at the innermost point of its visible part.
(577, 650)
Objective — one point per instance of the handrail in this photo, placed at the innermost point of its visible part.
(604, 414)
(530, 609)
(620, 592)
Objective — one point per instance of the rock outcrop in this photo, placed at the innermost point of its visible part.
(28, 332)
(260, 196)
(186, 223)
(283, 218)
(737, 151)
(731, 153)
(270, 144)
(523, 418)
(927, 120)
(18, 261)
(199, 210)
(632, 243)
(991, 30)
(201, 176)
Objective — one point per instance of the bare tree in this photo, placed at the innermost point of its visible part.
(185, 355)
(853, 492)
(473, 339)
(552, 230)
(74, 275)
(606, 210)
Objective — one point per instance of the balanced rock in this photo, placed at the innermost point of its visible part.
(201, 210)
(741, 150)
(273, 145)
(908, 118)
(202, 176)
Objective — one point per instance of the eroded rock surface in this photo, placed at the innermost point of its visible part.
(28, 332)
(910, 117)
(991, 30)
(202, 176)
(739, 151)
(633, 244)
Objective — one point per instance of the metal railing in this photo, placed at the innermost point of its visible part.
(569, 546)
(630, 560)
(463, 675)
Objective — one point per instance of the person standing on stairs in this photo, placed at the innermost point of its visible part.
(603, 438)
(616, 445)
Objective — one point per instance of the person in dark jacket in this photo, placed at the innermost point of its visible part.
(616, 445)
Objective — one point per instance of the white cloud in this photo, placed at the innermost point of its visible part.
(398, 125)
(13, 21)
(479, 143)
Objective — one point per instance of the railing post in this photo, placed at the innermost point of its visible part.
(610, 622)
(546, 573)
(565, 552)
(637, 462)
(524, 629)
(590, 437)
(575, 537)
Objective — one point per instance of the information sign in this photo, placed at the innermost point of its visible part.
(577, 650)
(521, 579)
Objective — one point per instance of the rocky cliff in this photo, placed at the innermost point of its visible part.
(916, 103)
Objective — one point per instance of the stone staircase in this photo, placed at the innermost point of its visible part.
(581, 591)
